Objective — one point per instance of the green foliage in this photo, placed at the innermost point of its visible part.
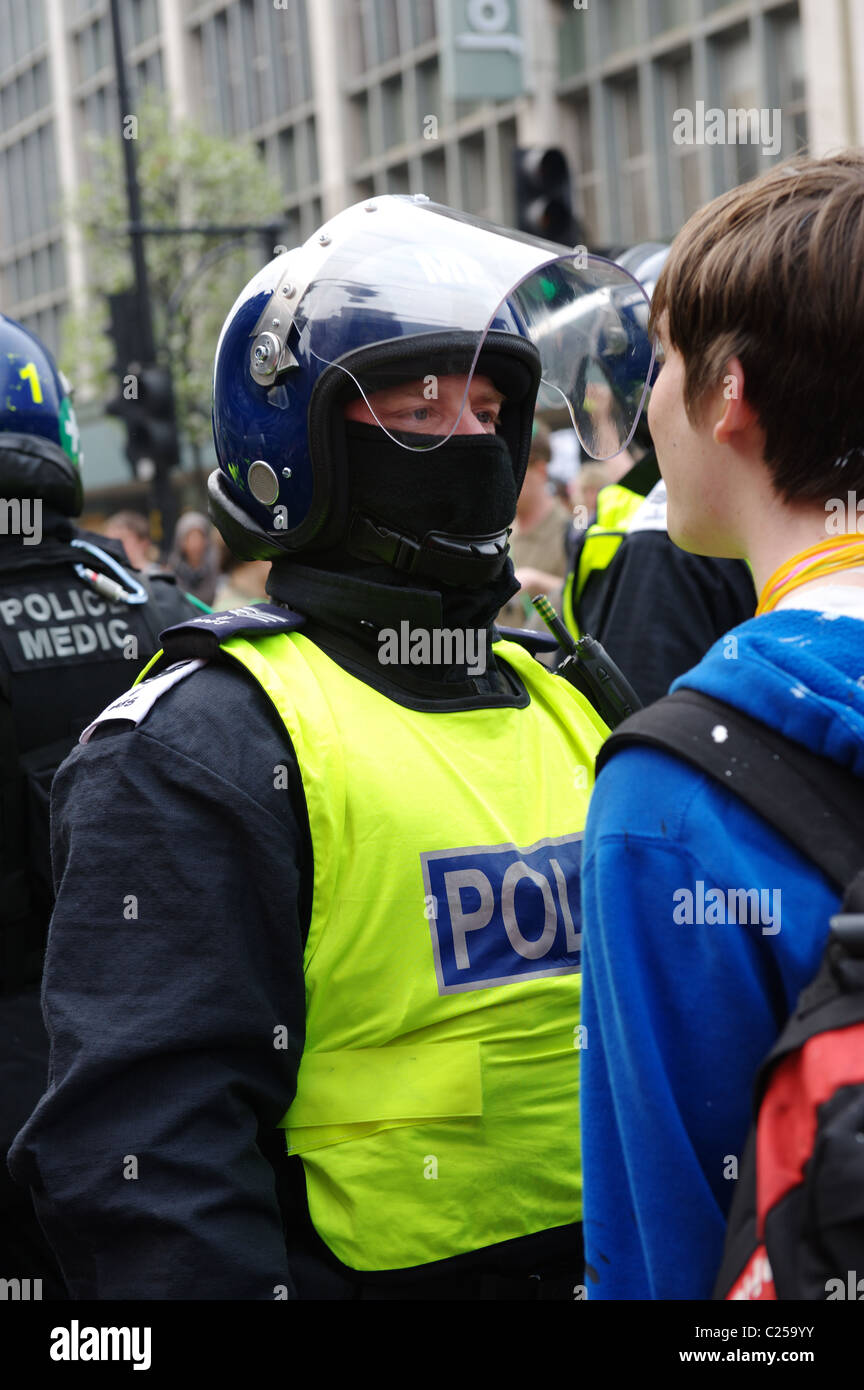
(186, 176)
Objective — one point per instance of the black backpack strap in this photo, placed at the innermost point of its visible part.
(816, 805)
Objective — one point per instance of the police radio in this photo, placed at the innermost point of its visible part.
(589, 667)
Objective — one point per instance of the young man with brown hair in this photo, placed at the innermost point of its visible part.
(702, 923)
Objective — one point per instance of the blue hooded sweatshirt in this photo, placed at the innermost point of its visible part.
(684, 992)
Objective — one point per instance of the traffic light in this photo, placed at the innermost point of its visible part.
(145, 402)
(146, 406)
(544, 205)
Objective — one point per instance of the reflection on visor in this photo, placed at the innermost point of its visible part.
(589, 324)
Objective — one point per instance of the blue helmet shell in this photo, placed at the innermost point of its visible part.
(39, 442)
(278, 425)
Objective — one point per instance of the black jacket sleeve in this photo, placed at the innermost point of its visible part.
(174, 999)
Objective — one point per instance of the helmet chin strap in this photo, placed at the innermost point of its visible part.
(443, 515)
(461, 561)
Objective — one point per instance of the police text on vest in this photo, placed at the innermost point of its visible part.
(504, 914)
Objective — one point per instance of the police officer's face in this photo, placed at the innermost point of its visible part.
(430, 405)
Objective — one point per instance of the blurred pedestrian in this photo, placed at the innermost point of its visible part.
(537, 539)
(133, 532)
(194, 556)
(242, 582)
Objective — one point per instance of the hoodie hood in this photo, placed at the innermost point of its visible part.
(800, 671)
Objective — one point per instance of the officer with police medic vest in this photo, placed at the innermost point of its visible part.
(75, 624)
(314, 967)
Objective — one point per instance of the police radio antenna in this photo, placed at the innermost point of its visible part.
(588, 666)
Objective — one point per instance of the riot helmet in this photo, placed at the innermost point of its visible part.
(401, 290)
(645, 262)
(39, 444)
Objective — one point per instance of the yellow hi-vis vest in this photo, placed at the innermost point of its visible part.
(437, 1101)
(616, 508)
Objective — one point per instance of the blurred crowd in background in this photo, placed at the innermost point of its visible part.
(199, 557)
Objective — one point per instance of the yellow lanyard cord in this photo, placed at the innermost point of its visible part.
(826, 557)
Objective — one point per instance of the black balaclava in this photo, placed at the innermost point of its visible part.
(465, 487)
(404, 488)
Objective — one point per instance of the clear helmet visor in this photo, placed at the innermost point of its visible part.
(402, 277)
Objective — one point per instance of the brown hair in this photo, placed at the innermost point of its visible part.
(132, 521)
(773, 273)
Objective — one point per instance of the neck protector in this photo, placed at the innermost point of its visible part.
(443, 514)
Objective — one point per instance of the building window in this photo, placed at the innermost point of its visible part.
(572, 43)
(392, 113)
(428, 89)
(148, 73)
(41, 85)
(398, 179)
(363, 189)
(668, 14)
(253, 65)
(357, 16)
(631, 162)
(434, 176)
(293, 56)
(423, 20)
(145, 19)
(46, 326)
(738, 91)
(585, 175)
(217, 60)
(288, 159)
(786, 59)
(387, 27)
(9, 106)
(473, 174)
(22, 26)
(92, 49)
(361, 137)
(621, 23)
(507, 183)
(683, 161)
(313, 172)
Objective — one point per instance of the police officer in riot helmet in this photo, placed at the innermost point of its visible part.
(74, 626)
(655, 608)
(354, 969)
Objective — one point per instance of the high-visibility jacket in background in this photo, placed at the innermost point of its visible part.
(616, 508)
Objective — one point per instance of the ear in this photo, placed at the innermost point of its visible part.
(736, 413)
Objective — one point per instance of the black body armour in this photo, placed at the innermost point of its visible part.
(65, 653)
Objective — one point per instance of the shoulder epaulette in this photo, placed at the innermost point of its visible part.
(199, 638)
